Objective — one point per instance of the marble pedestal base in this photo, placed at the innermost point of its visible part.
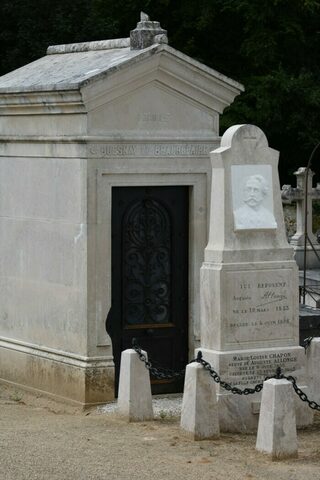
(246, 368)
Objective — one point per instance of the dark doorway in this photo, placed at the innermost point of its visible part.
(150, 277)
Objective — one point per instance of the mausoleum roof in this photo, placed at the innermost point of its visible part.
(69, 67)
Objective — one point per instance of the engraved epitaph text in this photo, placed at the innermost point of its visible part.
(259, 308)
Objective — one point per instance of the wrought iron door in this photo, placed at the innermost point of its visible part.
(150, 276)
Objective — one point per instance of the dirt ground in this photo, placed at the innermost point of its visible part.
(41, 439)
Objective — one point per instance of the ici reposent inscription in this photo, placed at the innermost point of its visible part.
(258, 306)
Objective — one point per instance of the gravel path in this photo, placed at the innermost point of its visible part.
(42, 440)
(163, 406)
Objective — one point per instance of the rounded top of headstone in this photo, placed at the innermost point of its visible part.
(302, 171)
(238, 133)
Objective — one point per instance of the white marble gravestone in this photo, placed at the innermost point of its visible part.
(249, 280)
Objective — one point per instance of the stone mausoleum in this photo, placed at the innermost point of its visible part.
(104, 207)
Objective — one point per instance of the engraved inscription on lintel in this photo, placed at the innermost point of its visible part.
(147, 117)
(115, 150)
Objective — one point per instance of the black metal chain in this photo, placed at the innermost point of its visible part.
(163, 373)
(160, 373)
(247, 391)
(306, 343)
(225, 385)
(312, 404)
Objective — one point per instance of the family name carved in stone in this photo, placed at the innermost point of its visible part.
(145, 149)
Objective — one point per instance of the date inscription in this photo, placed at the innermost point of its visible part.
(259, 306)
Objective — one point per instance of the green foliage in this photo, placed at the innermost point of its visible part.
(27, 27)
(271, 46)
(287, 108)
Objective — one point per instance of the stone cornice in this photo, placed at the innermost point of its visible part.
(39, 103)
(89, 46)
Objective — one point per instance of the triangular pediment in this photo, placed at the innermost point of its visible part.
(164, 93)
(154, 108)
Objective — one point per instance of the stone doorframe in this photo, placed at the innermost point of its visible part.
(101, 181)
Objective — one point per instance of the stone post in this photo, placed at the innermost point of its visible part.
(277, 433)
(134, 396)
(199, 415)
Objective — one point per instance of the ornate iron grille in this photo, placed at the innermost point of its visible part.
(146, 233)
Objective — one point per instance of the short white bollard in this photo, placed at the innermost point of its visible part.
(277, 432)
(134, 395)
(199, 415)
(313, 362)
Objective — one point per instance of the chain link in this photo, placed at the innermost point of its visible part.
(158, 372)
(306, 343)
(165, 374)
(311, 403)
(225, 385)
